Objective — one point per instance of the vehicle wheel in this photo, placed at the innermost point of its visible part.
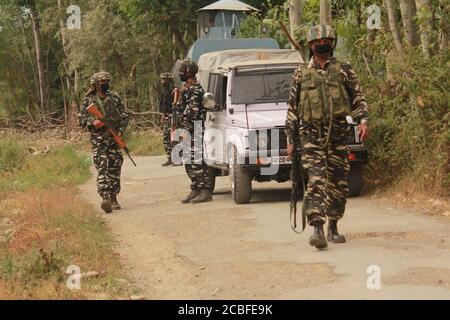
(212, 173)
(355, 180)
(241, 181)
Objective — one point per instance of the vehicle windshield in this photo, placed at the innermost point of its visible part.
(262, 86)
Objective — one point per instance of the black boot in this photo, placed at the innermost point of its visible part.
(194, 194)
(167, 163)
(204, 196)
(106, 204)
(114, 204)
(333, 234)
(318, 238)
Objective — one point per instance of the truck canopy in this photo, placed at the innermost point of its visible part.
(205, 46)
(221, 61)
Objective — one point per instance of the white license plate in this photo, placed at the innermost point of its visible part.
(281, 160)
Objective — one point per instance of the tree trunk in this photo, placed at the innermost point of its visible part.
(408, 9)
(325, 12)
(39, 58)
(390, 8)
(444, 28)
(70, 99)
(178, 36)
(295, 16)
(425, 27)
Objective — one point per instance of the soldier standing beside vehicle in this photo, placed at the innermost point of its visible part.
(324, 94)
(108, 157)
(192, 115)
(165, 107)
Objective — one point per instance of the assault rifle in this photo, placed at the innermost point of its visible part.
(297, 178)
(93, 110)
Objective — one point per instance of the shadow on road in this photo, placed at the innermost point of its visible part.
(264, 195)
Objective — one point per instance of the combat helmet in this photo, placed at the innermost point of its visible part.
(101, 76)
(321, 31)
(188, 68)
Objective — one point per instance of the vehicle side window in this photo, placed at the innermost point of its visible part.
(223, 93)
(214, 87)
(212, 82)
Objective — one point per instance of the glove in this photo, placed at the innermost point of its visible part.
(98, 124)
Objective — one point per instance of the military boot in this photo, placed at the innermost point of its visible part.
(114, 204)
(194, 194)
(167, 163)
(204, 196)
(106, 204)
(318, 238)
(333, 234)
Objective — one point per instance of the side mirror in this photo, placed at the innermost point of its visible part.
(209, 101)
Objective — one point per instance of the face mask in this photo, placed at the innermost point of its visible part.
(104, 87)
(323, 48)
(183, 77)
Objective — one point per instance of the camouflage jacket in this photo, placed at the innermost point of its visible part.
(190, 107)
(166, 101)
(111, 106)
(359, 106)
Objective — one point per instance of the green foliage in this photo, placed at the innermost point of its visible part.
(64, 165)
(12, 155)
(145, 144)
(410, 122)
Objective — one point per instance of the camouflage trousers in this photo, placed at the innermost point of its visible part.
(167, 127)
(108, 161)
(327, 167)
(195, 166)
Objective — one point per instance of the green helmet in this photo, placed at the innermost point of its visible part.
(101, 76)
(188, 68)
(320, 32)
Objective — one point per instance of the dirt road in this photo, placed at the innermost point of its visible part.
(220, 250)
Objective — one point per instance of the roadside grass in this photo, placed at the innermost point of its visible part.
(45, 227)
(145, 143)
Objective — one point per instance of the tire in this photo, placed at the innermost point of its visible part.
(240, 179)
(355, 180)
(212, 173)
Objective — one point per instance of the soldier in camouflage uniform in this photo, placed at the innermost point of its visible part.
(107, 154)
(165, 107)
(192, 116)
(325, 92)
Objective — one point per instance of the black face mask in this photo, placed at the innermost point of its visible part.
(104, 87)
(183, 77)
(323, 48)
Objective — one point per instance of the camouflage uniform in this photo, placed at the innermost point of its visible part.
(324, 158)
(108, 157)
(192, 116)
(165, 107)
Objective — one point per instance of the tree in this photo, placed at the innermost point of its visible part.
(325, 12)
(43, 97)
(408, 10)
(425, 17)
(444, 27)
(390, 8)
(295, 15)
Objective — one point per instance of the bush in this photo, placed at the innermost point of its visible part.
(12, 155)
(63, 165)
(410, 136)
(145, 143)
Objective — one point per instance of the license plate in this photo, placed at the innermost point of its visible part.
(281, 160)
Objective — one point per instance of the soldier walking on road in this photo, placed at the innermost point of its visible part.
(325, 93)
(192, 116)
(108, 157)
(166, 108)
